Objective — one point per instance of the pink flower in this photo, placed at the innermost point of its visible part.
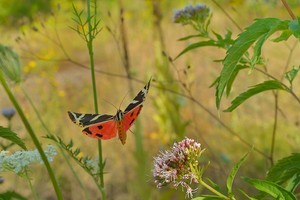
(174, 166)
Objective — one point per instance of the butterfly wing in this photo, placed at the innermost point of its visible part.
(95, 125)
(134, 108)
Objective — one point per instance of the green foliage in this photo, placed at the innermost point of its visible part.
(262, 87)
(286, 170)
(10, 64)
(86, 163)
(291, 75)
(6, 133)
(218, 42)
(208, 197)
(11, 195)
(271, 188)
(258, 32)
(16, 12)
(232, 174)
(87, 27)
(294, 26)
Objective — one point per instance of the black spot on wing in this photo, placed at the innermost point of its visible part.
(87, 130)
(131, 115)
(100, 127)
(99, 135)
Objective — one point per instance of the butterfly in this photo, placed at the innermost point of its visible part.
(106, 126)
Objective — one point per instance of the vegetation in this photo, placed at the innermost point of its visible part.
(189, 140)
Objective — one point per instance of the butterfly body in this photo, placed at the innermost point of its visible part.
(107, 126)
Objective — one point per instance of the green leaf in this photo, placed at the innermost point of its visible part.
(290, 75)
(293, 182)
(285, 169)
(260, 30)
(295, 28)
(197, 45)
(249, 197)
(11, 195)
(271, 188)
(285, 35)
(267, 85)
(207, 197)
(234, 75)
(214, 185)
(233, 172)
(6, 133)
(189, 37)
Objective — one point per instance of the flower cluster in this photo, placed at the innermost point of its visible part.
(20, 160)
(176, 166)
(198, 16)
(197, 13)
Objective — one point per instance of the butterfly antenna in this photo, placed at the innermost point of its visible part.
(123, 99)
(110, 104)
(131, 131)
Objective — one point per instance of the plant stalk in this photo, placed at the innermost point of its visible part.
(32, 135)
(212, 189)
(92, 64)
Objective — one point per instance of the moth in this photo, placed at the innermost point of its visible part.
(106, 126)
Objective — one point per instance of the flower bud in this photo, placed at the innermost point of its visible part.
(8, 113)
(10, 64)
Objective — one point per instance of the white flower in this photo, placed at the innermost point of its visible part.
(20, 160)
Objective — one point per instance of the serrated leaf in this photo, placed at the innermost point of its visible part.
(295, 28)
(271, 188)
(267, 85)
(282, 25)
(233, 172)
(6, 133)
(285, 169)
(260, 29)
(234, 75)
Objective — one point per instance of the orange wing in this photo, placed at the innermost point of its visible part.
(103, 130)
(131, 116)
(134, 108)
(94, 125)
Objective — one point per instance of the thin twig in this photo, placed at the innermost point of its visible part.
(271, 158)
(286, 5)
(227, 15)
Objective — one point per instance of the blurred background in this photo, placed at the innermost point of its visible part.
(137, 41)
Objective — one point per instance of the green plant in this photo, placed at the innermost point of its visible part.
(10, 71)
(242, 53)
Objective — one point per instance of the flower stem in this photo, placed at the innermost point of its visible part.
(30, 185)
(32, 135)
(60, 148)
(92, 64)
(212, 189)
